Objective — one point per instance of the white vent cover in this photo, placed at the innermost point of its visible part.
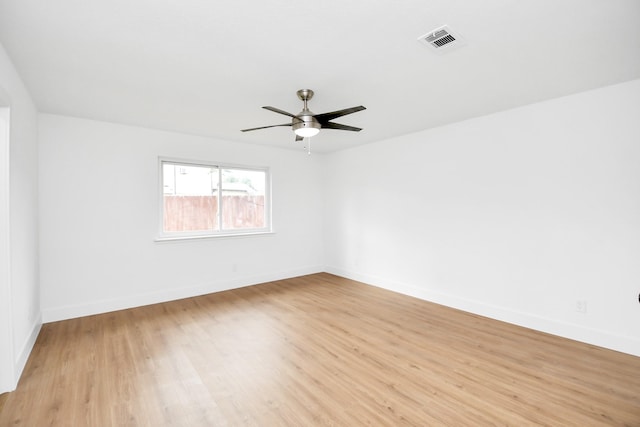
(442, 39)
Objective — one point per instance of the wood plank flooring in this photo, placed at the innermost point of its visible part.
(316, 350)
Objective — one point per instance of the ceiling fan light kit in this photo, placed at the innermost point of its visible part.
(306, 124)
(306, 130)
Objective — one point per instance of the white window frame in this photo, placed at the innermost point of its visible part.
(200, 234)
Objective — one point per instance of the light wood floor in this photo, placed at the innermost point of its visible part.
(315, 351)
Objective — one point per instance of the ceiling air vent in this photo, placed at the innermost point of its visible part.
(441, 39)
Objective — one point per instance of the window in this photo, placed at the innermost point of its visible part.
(205, 199)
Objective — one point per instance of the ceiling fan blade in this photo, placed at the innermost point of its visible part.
(299, 138)
(331, 125)
(325, 117)
(265, 127)
(279, 111)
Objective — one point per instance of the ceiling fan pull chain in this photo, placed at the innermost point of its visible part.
(308, 146)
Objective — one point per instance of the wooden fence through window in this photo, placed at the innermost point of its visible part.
(197, 213)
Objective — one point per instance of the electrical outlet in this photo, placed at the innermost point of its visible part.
(581, 306)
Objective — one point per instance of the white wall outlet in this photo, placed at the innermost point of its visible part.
(581, 306)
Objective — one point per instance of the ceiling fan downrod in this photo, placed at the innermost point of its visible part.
(305, 95)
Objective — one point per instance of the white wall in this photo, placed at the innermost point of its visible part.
(515, 215)
(19, 292)
(99, 219)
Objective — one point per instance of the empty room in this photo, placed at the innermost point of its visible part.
(279, 213)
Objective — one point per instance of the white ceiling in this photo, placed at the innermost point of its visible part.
(206, 67)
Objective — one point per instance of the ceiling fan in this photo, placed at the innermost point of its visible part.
(306, 124)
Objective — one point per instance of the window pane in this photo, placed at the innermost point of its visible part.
(190, 197)
(243, 199)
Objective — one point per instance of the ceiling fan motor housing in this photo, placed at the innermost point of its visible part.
(305, 119)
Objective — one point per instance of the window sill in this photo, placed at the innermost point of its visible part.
(161, 239)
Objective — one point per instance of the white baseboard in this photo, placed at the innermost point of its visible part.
(596, 337)
(55, 314)
(25, 350)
